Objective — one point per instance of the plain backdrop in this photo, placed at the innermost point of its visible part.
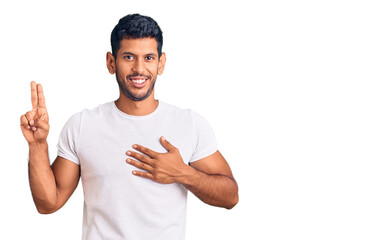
(297, 92)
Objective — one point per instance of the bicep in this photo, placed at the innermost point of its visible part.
(213, 164)
(67, 175)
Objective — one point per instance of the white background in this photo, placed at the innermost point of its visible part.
(298, 93)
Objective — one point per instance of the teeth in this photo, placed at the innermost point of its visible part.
(139, 81)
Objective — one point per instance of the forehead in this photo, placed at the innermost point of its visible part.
(138, 46)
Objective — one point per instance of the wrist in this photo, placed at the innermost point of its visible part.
(37, 145)
(188, 176)
(38, 153)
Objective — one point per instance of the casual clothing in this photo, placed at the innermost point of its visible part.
(117, 204)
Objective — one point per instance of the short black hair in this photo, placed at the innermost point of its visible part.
(134, 26)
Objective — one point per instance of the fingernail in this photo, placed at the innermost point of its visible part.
(128, 160)
(134, 146)
(129, 153)
(164, 139)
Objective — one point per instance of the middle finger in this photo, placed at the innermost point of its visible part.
(140, 157)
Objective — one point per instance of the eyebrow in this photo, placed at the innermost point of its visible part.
(129, 53)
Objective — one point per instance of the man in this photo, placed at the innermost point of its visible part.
(136, 156)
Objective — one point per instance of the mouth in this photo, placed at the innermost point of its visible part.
(138, 82)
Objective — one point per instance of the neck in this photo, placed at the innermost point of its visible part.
(136, 108)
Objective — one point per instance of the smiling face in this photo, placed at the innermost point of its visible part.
(136, 67)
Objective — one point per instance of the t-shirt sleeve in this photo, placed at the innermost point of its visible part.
(204, 142)
(67, 144)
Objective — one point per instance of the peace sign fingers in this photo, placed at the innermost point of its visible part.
(37, 97)
(35, 123)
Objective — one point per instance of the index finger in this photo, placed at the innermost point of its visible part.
(34, 97)
(41, 97)
(145, 150)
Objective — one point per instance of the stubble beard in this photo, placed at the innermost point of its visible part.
(131, 96)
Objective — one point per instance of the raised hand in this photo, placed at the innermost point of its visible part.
(35, 123)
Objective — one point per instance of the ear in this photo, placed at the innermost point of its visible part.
(162, 63)
(110, 62)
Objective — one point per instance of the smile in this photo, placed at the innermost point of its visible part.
(138, 81)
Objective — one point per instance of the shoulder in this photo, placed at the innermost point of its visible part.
(187, 117)
(172, 110)
(101, 109)
(174, 113)
(89, 113)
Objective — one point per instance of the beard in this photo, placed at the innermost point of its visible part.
(129, 94)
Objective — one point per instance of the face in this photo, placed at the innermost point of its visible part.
(136, 67)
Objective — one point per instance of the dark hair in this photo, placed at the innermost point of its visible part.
(134, 26)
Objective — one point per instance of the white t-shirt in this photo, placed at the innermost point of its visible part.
(117, 204)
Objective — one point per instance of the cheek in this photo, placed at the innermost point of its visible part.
(123, 70)
(152, 69)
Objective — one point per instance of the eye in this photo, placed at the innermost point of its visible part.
(149, 58)
(129, 57)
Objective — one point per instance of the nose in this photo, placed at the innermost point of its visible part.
(138, 66)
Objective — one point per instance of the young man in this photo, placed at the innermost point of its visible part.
(136, 156)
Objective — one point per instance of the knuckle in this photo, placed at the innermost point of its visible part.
(29, 114)
(142, 165)
(156, 176)
(176, 150)
(157, 165)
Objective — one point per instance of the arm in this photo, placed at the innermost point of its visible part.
(52, 186)
(210, 178)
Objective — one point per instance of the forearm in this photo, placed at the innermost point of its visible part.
(42, 180)
(213, 189)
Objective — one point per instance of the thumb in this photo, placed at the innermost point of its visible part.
(166, 144)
